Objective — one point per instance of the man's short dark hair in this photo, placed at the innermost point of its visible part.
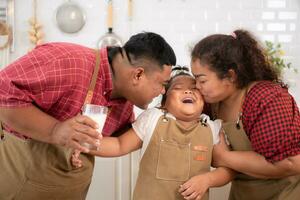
(150, 46)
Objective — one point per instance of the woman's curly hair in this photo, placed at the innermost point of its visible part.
(239, 52)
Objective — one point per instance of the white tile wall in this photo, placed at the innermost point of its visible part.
(268, 15)
(288, 15)
(276, 3)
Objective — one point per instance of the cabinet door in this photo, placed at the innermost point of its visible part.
(114, 178)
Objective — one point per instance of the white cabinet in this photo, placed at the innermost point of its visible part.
(114, 178)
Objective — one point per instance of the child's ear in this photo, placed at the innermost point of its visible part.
(138, 73)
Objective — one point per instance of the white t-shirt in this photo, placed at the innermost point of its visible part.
(146, 122)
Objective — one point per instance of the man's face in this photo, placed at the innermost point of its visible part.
(150, 85)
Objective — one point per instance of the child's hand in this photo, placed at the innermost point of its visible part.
(75, 161)
(195, 188)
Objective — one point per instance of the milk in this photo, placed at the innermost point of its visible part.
(100, 118)
(98, 114)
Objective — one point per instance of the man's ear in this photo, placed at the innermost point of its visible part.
(138, 73)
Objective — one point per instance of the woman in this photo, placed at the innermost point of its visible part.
(261, 119)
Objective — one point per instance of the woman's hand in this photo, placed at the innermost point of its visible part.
(220, 151)
(74, 132)
(196, 187)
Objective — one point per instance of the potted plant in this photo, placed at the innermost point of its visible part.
(275, 57)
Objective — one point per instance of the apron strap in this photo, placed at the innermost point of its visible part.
(89, 96)
(1, 132)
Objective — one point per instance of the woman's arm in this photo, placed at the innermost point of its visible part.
(253, 164)
(118, 146)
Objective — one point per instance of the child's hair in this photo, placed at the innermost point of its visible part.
(239, 52)
(176, 71)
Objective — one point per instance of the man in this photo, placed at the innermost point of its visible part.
(41, 96)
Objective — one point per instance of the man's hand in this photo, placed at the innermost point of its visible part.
(74, 132)
(34, 123)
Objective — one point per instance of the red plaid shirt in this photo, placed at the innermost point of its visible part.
(55, 78)
(272, 121)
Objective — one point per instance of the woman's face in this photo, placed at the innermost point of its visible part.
(183, 99)
(212, 88)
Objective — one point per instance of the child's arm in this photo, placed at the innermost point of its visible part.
(196, 187)
(118, 146)
(112, 147)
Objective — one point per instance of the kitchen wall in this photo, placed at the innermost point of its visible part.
(181, 22)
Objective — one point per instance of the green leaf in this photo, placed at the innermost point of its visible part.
(275, 56)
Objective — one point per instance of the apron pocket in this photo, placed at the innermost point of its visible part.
(173, 161)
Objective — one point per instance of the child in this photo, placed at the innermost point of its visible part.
(176, 148)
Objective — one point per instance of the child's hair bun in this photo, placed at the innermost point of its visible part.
(180, 70)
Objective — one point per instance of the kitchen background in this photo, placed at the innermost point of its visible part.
(181, 22)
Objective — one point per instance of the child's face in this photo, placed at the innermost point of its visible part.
(183, 99)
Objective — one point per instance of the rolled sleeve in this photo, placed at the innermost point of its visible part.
(273, 125)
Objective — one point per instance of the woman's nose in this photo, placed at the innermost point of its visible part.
(163, 90)
(198, 85)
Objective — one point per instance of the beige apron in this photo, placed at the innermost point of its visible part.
(170, 160)
(33, 170)
(249, 188)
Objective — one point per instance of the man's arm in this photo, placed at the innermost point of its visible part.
(38, 125)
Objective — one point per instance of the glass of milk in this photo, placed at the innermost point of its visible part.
(98, 114)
